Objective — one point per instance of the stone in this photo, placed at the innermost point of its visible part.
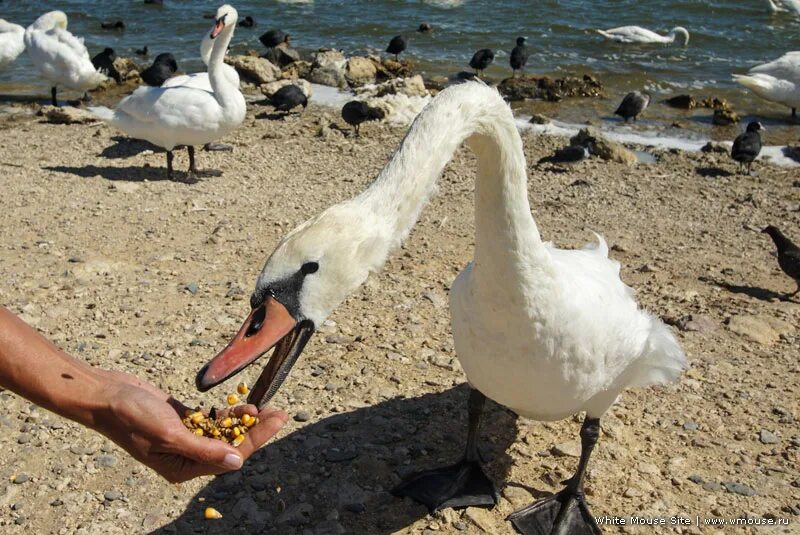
(411, 86)
(724, 117)
(712, 486)
(435, 298)
(302, 416)
(282, 55)
(764, 330)
(739, 488)
(690, 426)
(67, 115)
(696, 323)
(684, 102)
(567, 449)
(518, 497)
(604, 148)
(715, 147)
(538, 118)
(767, 437)
(112, 495)
(694, 478)
(482, 519)
(128, 70)
(328, 68)
(360, 71)
(105, 461)
(271, 88)
(296, 514)
(550, 89)
(24, 438)
(253, 69)
(335, 455)
(21, 478)
(298, 69)
(192, 288)
(246, 510)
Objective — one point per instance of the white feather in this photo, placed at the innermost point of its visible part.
(637, 34)
(12, 42)
(777, 81)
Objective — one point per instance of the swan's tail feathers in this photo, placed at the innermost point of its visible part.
(601, 246)
(757, 83)
(662, 361)
(102, 113)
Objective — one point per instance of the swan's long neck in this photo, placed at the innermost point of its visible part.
(224, 91)
(503, 221)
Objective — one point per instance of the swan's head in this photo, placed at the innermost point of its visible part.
(683, 32)
(311, 271)
(224, 21)
(50, 20)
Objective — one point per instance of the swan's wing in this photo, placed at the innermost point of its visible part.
(197, 80)
(771, 88)
(786, 67)
(170, 107)
(12, 44)
(70, 42)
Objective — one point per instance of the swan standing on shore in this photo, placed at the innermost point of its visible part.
(59, 56)
(186, 115)
(637, 34)
(12, 42)
(777, 81)
(546, 332)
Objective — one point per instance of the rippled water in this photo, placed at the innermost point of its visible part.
(726, 35)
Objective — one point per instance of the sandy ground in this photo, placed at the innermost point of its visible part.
(129, 271)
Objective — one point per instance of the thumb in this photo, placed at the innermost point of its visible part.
(207, 451)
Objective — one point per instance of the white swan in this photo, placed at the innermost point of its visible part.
(186, 115)
(12, 42)
(637, 34)
(777, 81)
(783, 6)
(59, 56)
(200, 80)
(546, 332)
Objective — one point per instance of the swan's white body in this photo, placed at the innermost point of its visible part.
(776, 81)
(637, 34)
(60, 57)
(186, 114)
(783, 6)
(12, 42)
(545, 331)
(200, 80)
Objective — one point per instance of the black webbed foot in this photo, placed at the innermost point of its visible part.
(463, 484)
(566, 513)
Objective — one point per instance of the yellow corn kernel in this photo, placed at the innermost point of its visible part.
(237, 441)
(248, 420)
(227, 422)
(198, 432)
(233, 399)
(236, 432)
(197, 417)
(242, 389)
(212, 514)
(215, 432)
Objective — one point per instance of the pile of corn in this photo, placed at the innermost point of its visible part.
(229, 429)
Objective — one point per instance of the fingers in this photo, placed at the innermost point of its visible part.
(206, 451)
(270, 422)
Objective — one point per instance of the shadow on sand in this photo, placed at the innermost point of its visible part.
(759, 293)
(128, 173)
(713, 172)
(125, 147)
(337, 472)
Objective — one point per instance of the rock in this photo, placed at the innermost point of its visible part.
(764, 330)
(298, 69)
(538, 118)
(389, 68)
(246, 510)
(297, 514)
(413, 86)
(690, 426)
(738, 488)
(714, 147)
(684, 102)
(105, 461)
(128, 70)
(67, 115)
(435, 298)
(518, 497)
(192, 288)
(21, 478)
(712, 486)
(328, 68)
(715, 103)
(694, 478)
(253, 69)
(633, 493)
(282, 55)
(335, 455)
(696, 323)
(360, 71)
(24, 438)
(271, 88)
(724, 117)
(767, 437)
(546, 88)
(482, 519)
(605, 149)
(112, 495)
(567, 449)
(153, 521)
(442, 361)
(302, 416)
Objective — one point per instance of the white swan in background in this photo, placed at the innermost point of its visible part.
(546, 332)
(12, 42)
(60, 57)
(637, 34)
(200, 80)
(783, 6)
(186, 115)
(776, 81)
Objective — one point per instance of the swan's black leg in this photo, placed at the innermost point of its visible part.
(194, 172)
(170, 156)
(463, 484)
(53, 95)
(566, 513)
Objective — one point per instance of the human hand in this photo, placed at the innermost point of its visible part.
(146, 423)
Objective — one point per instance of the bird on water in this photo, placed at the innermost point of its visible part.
(519, 55)
(747, 146)
(482, 59)
(788, 256)
(632, 105)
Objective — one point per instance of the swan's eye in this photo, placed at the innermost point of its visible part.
(309, 267)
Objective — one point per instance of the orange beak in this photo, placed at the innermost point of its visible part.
(267, 326)
(220, 24)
